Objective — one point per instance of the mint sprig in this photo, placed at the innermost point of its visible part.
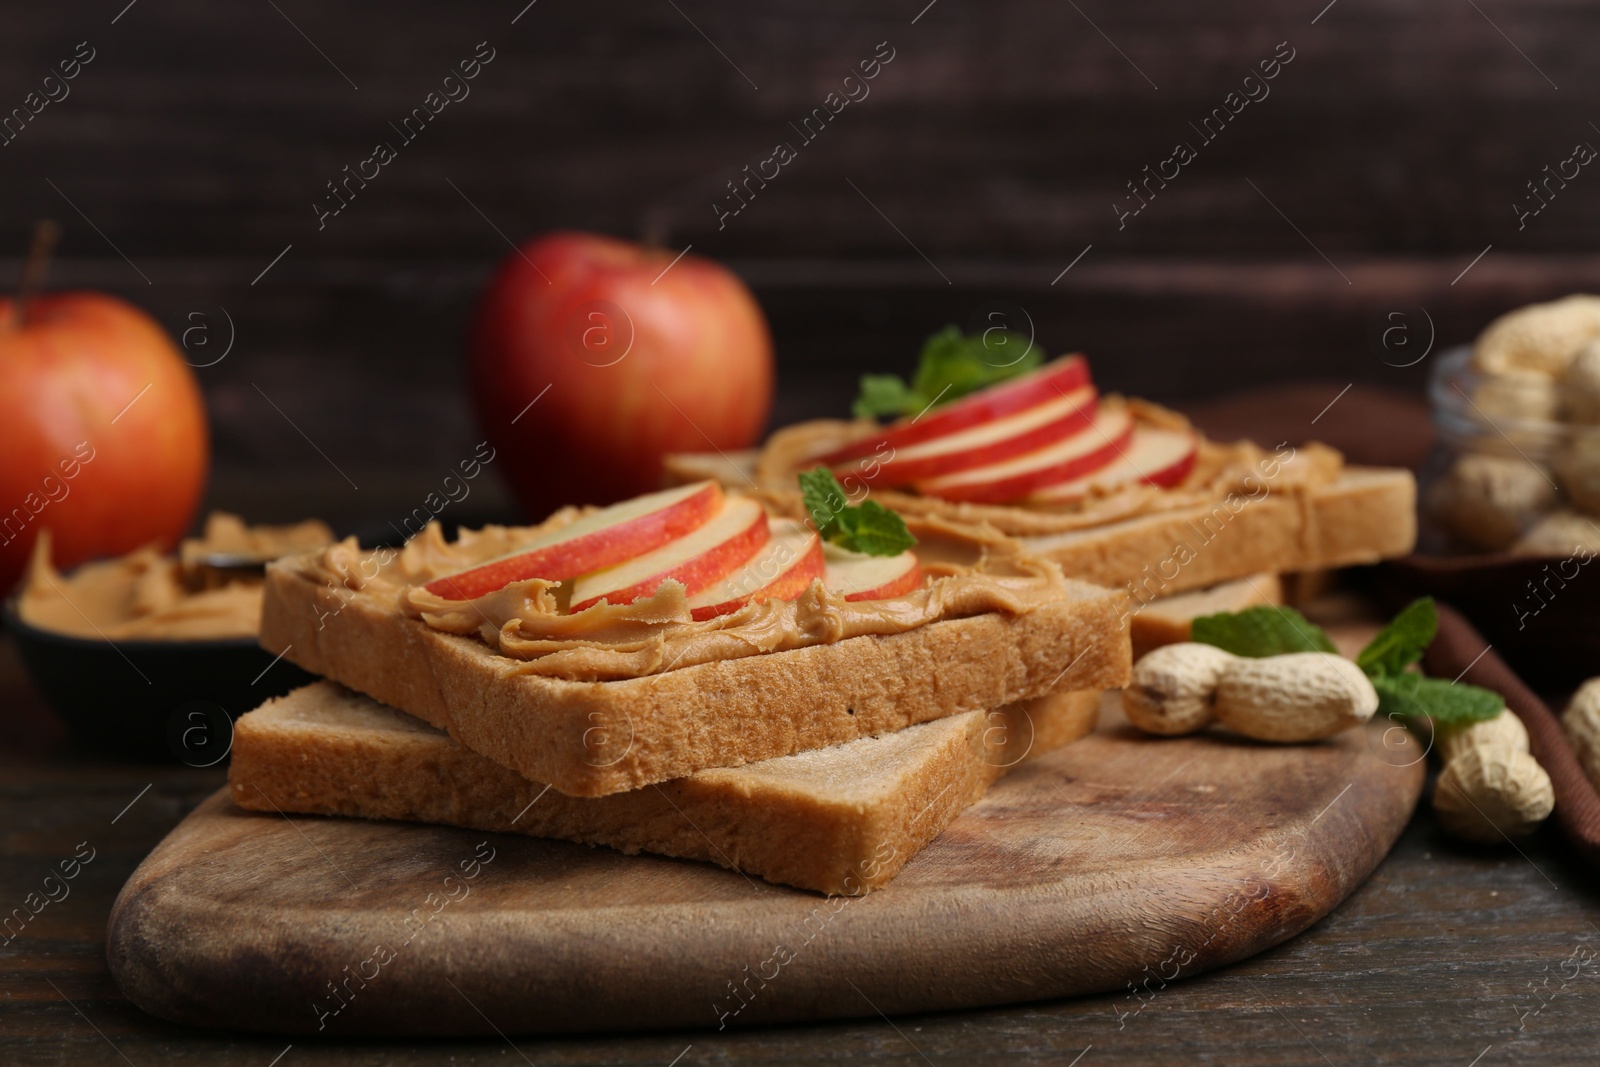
(1272, 631)
(869, 527)
(1402, 642)
(951, 366)
(1265, 630)
(1411, 695)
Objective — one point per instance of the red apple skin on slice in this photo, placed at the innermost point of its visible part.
(782, 569)
(698, 559)
(862, 577)
(1085, 452)
(1152, 457)
(976, 446)
(607, 537)
(1054, 378)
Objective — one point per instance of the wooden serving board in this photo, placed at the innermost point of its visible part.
(1118, 863)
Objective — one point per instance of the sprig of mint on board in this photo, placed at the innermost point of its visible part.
(952, 365)
(868, 527)
(1271, 631)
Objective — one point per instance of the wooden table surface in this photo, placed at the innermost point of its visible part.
(1446, 955)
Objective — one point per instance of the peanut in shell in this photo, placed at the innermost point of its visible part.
(1302, 696)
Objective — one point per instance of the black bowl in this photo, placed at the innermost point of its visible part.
(152, 700)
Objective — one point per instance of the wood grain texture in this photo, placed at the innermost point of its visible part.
(1431, 960)
(1118, 863)
(1007, 127)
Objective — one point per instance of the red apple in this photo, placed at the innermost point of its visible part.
(1151, 457)
(1012, 479)
(781, 570)
(102, 427)
(698, 559)
(1051, 380)
(862, 577)
(641, 354)
(606, 537)
(976, 446)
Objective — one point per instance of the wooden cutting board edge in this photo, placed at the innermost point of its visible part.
(955, 947)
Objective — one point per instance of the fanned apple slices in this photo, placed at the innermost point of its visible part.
(1151, 457)
(1054, 379)
(698, 559)
(781, 570)
(1043, 438)
(607, 537)
(1058, 416)
(724, 550)
(1072, 457)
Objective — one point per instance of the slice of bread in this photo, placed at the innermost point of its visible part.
(842, 819)
(1166, 621)
(594, 738)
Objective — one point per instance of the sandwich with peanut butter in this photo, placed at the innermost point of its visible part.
(1117, 491)
(609, 649)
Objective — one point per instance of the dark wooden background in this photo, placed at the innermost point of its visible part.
(997, 141)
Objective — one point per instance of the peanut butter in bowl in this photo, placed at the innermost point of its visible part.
(211, 590)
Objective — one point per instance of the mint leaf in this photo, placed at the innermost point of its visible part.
(1413, 696)
(870, 528)
(884, 396)
(951, 366)
(875, 530)
(1265, 630)
(1401, 643)
(824, 500)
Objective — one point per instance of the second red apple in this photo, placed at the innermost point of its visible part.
(590, 358)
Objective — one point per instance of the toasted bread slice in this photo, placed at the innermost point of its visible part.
(592, 738)
(1166, 621)
(842, 819)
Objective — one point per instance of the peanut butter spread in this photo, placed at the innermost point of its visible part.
(968, 571)
(146, 596)
(1219, 470)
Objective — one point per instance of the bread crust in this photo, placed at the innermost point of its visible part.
(843, 820)
(596, 738)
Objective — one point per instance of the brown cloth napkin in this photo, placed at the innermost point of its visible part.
(1461, 650)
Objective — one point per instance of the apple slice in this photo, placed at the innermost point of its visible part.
(1083, 453)
(862, 577)
(977, 446)
(1051, 380)
(781, 569)
(602, 539)
(1151, 457)
(698, 559)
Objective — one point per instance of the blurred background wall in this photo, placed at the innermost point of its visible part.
(1382, 171)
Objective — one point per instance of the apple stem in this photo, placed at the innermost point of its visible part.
(45, 235)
